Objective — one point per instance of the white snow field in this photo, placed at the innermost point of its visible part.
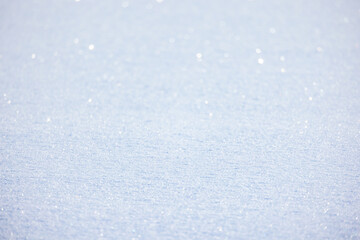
(169, 119)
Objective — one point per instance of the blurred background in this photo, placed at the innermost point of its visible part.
(164, 119)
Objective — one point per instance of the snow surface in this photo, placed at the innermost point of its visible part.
(179, 119)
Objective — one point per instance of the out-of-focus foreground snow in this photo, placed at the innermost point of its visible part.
(179, 119)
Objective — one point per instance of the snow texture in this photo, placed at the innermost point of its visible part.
(167, 119)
